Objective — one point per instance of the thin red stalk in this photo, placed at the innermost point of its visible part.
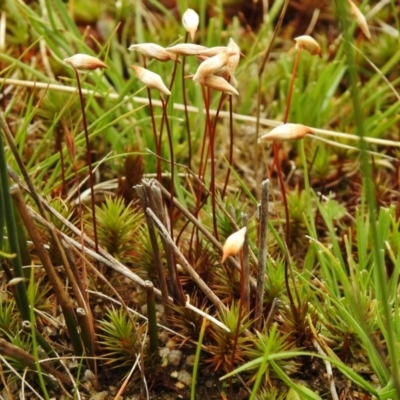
(80, 208)
(290, 94)
(239, 323)
(207, 129)
(59, 142)
(201, 173)
(280, 177)
(89, 161)
(167, 100)
(157, 143)
(277, 147)
(230, 159)
(63, 189)
(171, 151)
(211, 149)
(153, 123)
(189, 137)
(187, 222)
(212, 187)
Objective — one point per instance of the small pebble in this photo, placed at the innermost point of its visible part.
(174, 357)
(164, 351)
(190, 360)
(185, 377)
(99, 396)
(180, 385)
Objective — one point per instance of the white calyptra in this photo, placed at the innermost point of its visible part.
(360, 18)
(212, 51)
(185, 49)
(233, 244)
(309, 44)
(190, 21)
(286, 132)
(219, 83)
(85, 62)
(151, 50)
(212, 65)
(151, 79)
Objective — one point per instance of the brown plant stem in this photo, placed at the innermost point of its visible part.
(260, 76)
(21, 356)
(164, 104)
(240, 315)
(155, 202)
(262, 255)
(282, 185)
(201, 173)
(230, 157)
(140, 190)
(246, 267)
(152, 319)
(62, 297)
(276, 162)
(207, 129)
(59, 149)
(291, 87)
(172, 160)
(185, 105)
(289, 270)
(89, 161)
(155, 138)
(211, 149)
(157, 141)
(277, 146)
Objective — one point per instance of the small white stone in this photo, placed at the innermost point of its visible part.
(99, 396)
(174, 357)
(164, 352)
(185, 377)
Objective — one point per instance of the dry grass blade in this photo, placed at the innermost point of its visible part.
(185, 264)
(223, 114)
(144, 200)
(156, 204)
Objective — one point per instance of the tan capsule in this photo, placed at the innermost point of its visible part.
(151, 79)
(212, 51)
(211, 65)
(309, 44)
(151, 50)
(286, 132)
(233, 244)
(84, 62)
(360, 18)
(234, 58)
(190, 21)
(186, 49)
(219, 83)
